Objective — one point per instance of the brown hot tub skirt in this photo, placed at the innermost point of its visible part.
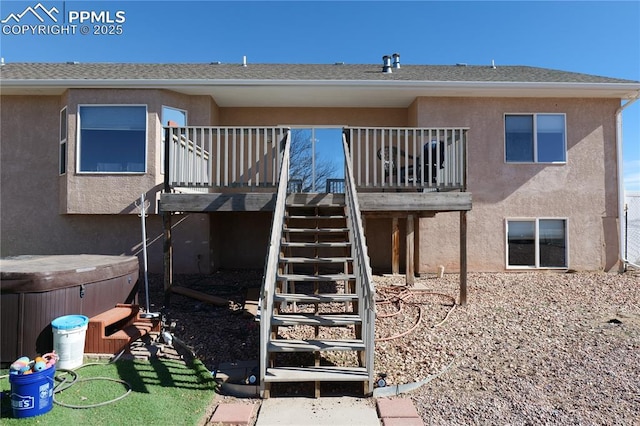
(38, 289)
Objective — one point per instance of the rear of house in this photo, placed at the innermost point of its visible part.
(516, 167)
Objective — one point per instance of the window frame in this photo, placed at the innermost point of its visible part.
(79, 141)
(62, 142)
(536, 221)
(534, 116)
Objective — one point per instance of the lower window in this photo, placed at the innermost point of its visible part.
(536, 243)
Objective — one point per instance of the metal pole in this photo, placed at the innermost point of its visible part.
(463, 258)
(313, 159)
(143, 215)
(626, 232)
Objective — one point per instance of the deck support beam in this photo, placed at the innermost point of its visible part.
(463, 258)
(410, 273)
(168, 257)
(395, 246)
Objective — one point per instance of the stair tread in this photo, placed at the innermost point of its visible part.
(313, 244)
(115, 315)
(282, 345)
(315, 298)
(312, 277)
(302, 318)
(131, 332)
(315, 217)
(316, 259)
(319, 373)
(321, 204)
(316, 230)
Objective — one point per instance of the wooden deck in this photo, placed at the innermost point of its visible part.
(426, 203)
(409, 206)
(394, 173)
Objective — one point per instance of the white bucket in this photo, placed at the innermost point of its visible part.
(68, 340)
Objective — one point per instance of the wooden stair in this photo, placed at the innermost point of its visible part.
(112, 331)
(315, 289)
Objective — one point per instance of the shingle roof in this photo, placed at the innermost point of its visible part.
(293, 72)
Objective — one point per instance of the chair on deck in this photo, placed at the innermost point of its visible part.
(432, 161)
(388, 157)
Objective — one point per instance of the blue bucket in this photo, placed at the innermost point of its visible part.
(32, 394)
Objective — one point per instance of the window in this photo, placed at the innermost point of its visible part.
(112, 139)
(171, 117)
(536, 243)
(177, 117)
(62, 159)
(535, 138)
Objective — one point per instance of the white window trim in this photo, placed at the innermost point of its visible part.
(536, 242)
(63, 142)
(535, 138)
(146, 142)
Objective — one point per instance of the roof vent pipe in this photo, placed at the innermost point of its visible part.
(244, 61)
(396, 60)
(386, 67)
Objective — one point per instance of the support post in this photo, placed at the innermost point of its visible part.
(416, 246)
(463, 258)
(167, 164)
(395, 246)
(410, 273)
(168, 257)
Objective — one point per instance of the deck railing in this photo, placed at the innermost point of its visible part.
(361, 265)
(271, 263)
(428, 158)
(382, 157)
(218, 157)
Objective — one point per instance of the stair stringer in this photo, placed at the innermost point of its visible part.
(314, 244)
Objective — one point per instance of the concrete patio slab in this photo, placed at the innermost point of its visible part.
(326, 411)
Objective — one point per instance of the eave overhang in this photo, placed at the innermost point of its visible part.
(329, 93)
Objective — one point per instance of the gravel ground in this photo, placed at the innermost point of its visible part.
(528, 348)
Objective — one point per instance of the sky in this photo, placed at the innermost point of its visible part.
(593, 37)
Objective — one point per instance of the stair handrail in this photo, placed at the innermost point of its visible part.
(361, 263)
(271, 264)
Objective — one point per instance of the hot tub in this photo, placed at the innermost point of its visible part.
(37, 289)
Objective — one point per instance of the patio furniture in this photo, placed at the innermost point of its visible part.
(431, 162)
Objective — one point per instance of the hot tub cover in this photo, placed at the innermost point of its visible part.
(34, 274)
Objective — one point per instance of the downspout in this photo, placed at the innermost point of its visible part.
(619, 160)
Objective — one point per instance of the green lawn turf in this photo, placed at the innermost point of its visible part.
(163, 392)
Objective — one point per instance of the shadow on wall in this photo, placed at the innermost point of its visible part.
(151, 196)
(240, 239)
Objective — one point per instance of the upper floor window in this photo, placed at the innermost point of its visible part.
(62, 159)
(172, 117)
(112, 138)
(535, 138)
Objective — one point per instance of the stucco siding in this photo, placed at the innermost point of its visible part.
(33, 196)
(28, 171)
(579, 190)
(44, 213)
